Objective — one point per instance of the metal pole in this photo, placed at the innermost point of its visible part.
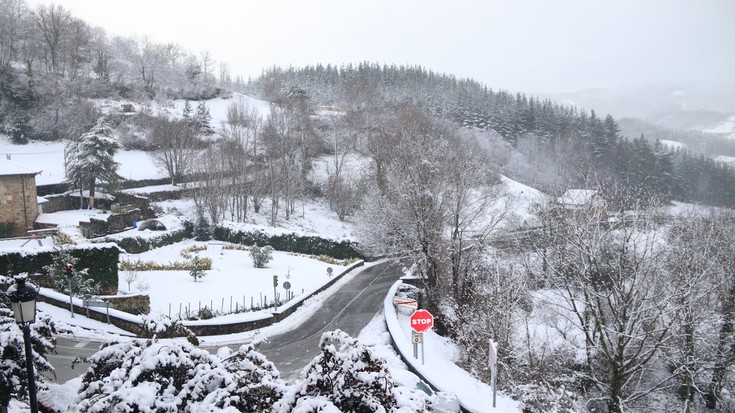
(494, 380)
(71, 301)
(29, 367)
(422, 348)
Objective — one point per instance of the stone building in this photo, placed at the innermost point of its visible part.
(18, 200)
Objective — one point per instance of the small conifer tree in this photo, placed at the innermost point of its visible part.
(197, 268)
(261, 256)
(202, 230)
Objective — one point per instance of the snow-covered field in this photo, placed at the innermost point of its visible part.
(233, 281)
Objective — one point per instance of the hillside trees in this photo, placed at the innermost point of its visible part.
(14, 15)
(90, 160)
(703, 248)
(610, 288)
(588, 137)
(428, 204)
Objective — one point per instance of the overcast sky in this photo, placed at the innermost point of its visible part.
(527, 45)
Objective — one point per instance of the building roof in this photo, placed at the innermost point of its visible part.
(577, 197)
(8, 167)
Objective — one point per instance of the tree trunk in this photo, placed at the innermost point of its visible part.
(720, 371)
(91, 193)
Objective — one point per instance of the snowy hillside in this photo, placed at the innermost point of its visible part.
(724, 128)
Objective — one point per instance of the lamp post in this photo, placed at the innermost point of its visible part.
(23, 302)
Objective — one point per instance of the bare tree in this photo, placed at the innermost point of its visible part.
(283, 161)
(609, 284)
(240, 132)
(53, 22)
(175, 142)
(14, 16)
(130, 276)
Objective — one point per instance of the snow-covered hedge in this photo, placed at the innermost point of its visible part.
(137, 245)
(290, 242)
(101, 261)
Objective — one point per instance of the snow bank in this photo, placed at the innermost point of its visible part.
(438, 369)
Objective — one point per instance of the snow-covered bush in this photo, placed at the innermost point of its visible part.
(346, 376)
(174, 376)
(246, 381)
(162, 326)
(544, 398)
(13, 377)
(261, 256)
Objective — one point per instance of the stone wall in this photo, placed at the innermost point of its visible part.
(18, 201)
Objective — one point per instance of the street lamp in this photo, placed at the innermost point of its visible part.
(23, 302)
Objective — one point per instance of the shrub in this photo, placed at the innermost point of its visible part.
(178, 377)
(163, 326)
(349, 376)
(204, 263)
(261, 256)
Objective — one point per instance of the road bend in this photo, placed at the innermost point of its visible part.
(349, 309)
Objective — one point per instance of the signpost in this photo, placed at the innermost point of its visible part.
(287, 287)
(416, 338)
(92, 303)
(421, 321)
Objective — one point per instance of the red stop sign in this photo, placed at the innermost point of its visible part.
(421, 321)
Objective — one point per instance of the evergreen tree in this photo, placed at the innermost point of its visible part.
(202, 118)
(91, 159)
(186, 112)
(197, 271)
(202, 230)
(261, 256)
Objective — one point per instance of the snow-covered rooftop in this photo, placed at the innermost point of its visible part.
(577, 197)
(8, 167)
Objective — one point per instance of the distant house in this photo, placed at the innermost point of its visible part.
(18, 197)
(588, 201)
